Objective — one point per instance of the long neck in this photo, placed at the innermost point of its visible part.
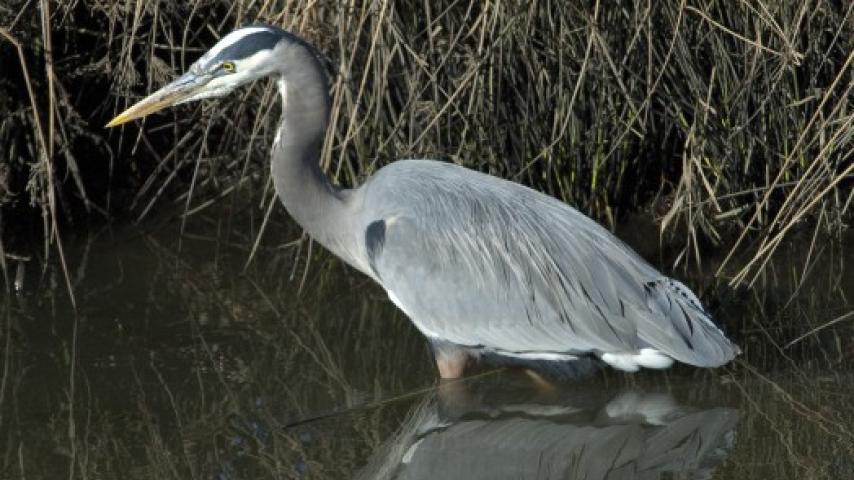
(317, 205)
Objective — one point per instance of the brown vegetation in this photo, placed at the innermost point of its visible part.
(724, 116)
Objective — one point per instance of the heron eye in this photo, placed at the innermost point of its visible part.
(228, 67)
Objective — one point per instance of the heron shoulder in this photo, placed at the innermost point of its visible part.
(427, 187)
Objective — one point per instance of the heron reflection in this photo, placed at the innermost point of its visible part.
(456, 433)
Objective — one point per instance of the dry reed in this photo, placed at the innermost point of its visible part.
(730, 120)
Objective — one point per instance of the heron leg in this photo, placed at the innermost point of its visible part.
(540, 381)
(450, 359)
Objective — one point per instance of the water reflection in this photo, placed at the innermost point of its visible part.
(182, 363)
(491, 433)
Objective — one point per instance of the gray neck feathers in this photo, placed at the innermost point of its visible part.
(316, 204)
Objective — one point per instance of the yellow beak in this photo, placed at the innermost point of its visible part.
(181, 89)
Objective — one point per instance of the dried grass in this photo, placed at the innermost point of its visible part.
(724, 117)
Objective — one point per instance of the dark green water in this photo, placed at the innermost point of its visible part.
(180, 363)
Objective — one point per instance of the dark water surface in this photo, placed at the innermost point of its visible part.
(180, 363)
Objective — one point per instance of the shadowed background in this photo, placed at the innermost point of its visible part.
(728, 122)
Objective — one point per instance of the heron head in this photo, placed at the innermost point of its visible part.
(240, 57)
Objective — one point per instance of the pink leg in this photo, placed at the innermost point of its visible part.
(451, 366)
(450, 359)
(540, 381)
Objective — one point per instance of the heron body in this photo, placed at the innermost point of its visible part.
(480, 265)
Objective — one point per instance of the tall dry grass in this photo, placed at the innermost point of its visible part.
(718, 116)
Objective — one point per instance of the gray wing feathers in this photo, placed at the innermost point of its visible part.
(480, 261)
(690, 334)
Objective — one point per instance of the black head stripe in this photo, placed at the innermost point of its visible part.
(249, 45)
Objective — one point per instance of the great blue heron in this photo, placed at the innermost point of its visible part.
(481, 265)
